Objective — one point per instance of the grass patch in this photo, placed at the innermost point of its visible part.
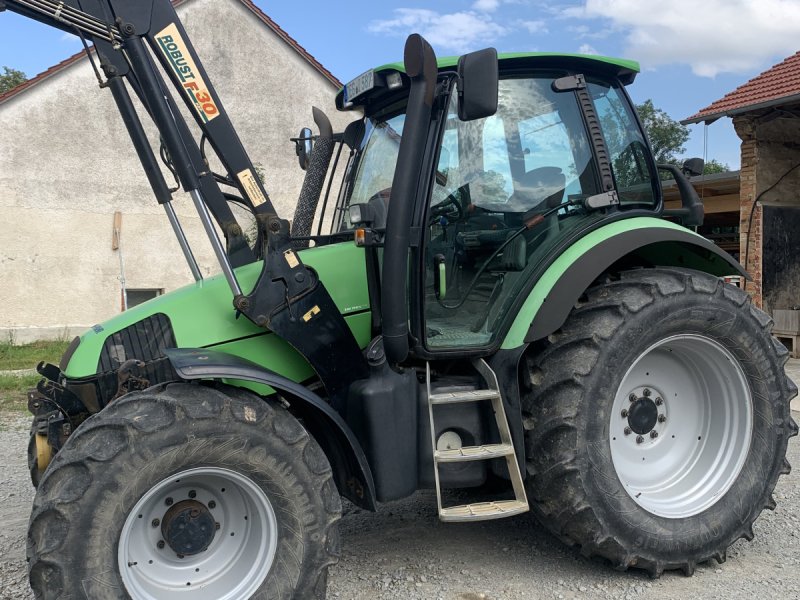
(27, 356)
(14, 391)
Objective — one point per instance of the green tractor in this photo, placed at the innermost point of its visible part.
(501, 303)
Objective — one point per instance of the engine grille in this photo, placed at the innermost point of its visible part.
(145, 340)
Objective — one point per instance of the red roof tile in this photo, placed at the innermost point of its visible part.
(42, 76)
(777, 85)
(248, 3)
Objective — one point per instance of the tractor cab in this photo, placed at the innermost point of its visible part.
(499, 195)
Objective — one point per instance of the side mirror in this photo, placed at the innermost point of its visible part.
(693, 167)
(478, 83)
(303, 144)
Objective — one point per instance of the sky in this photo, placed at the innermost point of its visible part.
(692, 52)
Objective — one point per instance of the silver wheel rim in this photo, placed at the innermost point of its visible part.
(235, 563)
(697, 394)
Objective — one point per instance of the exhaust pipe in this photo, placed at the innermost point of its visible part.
(318, 165)
(420, 65)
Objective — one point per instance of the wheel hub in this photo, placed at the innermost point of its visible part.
(188, 527)
(643, 415)
(680, 428)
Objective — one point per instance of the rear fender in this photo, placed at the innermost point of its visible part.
(636, 242)
(350, 468)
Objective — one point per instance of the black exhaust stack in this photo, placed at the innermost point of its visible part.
(420, 65)
(314, 180)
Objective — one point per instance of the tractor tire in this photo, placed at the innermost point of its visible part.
(185, 491)
(657, 420)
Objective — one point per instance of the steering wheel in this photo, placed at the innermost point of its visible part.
(449, 206)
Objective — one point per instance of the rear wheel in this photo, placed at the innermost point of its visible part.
(657, 420)
(186, 491)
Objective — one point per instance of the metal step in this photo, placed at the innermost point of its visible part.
(479, 511)
(463, 396)
(482, 511)
(467, 453)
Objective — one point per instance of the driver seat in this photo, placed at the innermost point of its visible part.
(539, 189)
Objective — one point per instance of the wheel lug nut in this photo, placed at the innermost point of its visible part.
(654, 434)
(155, 522)
(168, 501)
(646, 393)
(627, 431)
(639, 439)
(632, 398)
(624, 413)
(192, 494)
(662, 418)
(160, 544)
(659, 402)
(212, 504)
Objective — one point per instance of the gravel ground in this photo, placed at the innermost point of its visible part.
(403, 551)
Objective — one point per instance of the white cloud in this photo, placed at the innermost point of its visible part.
(459, 31)
(587, 49)
(486, 5)
(537, 26)
(712, 36)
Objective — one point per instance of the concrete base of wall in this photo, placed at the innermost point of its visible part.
(26, 335)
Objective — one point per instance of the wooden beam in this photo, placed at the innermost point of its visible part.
(713, 204)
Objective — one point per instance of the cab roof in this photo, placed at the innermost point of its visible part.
(623, 69)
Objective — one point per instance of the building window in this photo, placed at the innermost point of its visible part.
(138, 296)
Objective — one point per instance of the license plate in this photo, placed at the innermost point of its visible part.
(360, 85)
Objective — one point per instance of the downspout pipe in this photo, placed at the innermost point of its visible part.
(420, 66)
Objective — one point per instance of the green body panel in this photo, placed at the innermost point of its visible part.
(265, 349)
(202, 314)
(519, 328)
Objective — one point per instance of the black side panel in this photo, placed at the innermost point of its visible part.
(351, 470)
(505, 364)
(696, 253)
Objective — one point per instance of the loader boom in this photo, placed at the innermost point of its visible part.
(288, 298)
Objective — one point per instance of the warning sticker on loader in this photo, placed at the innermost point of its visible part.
(174, 48)
(250, 185)
(311, 313)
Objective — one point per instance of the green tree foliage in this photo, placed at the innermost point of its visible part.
(666, 135)
(714, 166)
(11, 78)
(667, 138)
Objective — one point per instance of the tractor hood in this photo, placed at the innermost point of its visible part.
(201, 315)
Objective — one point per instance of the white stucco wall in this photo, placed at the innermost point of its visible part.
(67, 164)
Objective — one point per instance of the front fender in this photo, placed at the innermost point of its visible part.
(640, 241)
(350, 467)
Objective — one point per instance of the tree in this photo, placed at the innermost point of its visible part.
(666, 135)
(667, 138)
(10, 79)
(714, 166)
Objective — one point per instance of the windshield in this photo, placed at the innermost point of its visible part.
(373, 168)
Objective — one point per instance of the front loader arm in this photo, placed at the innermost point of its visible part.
(288, 298)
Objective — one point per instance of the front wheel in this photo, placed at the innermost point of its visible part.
(657, 420)
(186, 491)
